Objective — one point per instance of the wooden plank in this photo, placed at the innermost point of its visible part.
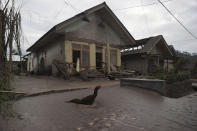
(12, 92)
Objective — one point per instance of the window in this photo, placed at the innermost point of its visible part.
(81, 52)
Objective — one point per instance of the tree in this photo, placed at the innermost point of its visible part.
(10, 33)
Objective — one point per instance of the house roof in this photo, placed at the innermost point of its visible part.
(104, 10)
(171, 47)
(147, 45)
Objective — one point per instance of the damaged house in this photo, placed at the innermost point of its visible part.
(147, 55)
(91, 40)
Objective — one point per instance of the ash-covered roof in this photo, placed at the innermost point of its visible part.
(147, 44)
(101, 8)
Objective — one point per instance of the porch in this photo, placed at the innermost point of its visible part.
(84, 56)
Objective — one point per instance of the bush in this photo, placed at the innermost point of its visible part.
(157, 69)
(173, 77)
(180, 64)
(194, 71)
(5, 106)
(5, 97)
(3, 81)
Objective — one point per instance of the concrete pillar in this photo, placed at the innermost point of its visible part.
(118, 58)
(108, 59)
(68, 52)
(92, 56)
(103, 57)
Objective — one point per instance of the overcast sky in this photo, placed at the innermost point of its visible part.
(145, 21)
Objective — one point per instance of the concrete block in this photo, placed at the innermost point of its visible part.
(152, 84)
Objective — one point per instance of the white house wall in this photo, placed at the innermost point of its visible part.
(29, 62)
(55, 51)
(52, 51)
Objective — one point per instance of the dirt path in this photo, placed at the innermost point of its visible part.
(36, 84)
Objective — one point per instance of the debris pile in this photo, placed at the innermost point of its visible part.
(63, 69)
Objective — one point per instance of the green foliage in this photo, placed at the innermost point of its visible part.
(6, 110)
(194, 71)
(151, 77)
(5, 107)
(157, 69)
(5, 97)
(180, 64)
(11, 33)
(173, 77)
(3, 82)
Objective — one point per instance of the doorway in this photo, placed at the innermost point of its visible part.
(98, 60)
(76, 54)
(41, 66)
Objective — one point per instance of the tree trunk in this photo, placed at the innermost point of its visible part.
(10, 53)
(1, 41)
(10, 27)
(2, 59)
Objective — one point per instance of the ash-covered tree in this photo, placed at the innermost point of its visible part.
(10, 34)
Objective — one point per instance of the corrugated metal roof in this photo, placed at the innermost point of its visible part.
(148, 45)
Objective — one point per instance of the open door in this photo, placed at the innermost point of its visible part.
(98, 61)
(76, 54)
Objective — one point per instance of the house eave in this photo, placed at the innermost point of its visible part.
(51, 31)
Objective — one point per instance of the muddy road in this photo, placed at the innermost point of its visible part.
(115, 109)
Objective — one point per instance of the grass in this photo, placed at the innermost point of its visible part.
(5, 100)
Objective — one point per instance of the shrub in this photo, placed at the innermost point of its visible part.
(157, 69)
(194, 71)
(173, 77)
(180, 64)
(4, 97)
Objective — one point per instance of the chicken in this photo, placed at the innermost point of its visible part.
(88, 100)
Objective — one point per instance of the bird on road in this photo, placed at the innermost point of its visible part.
(88, 100)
